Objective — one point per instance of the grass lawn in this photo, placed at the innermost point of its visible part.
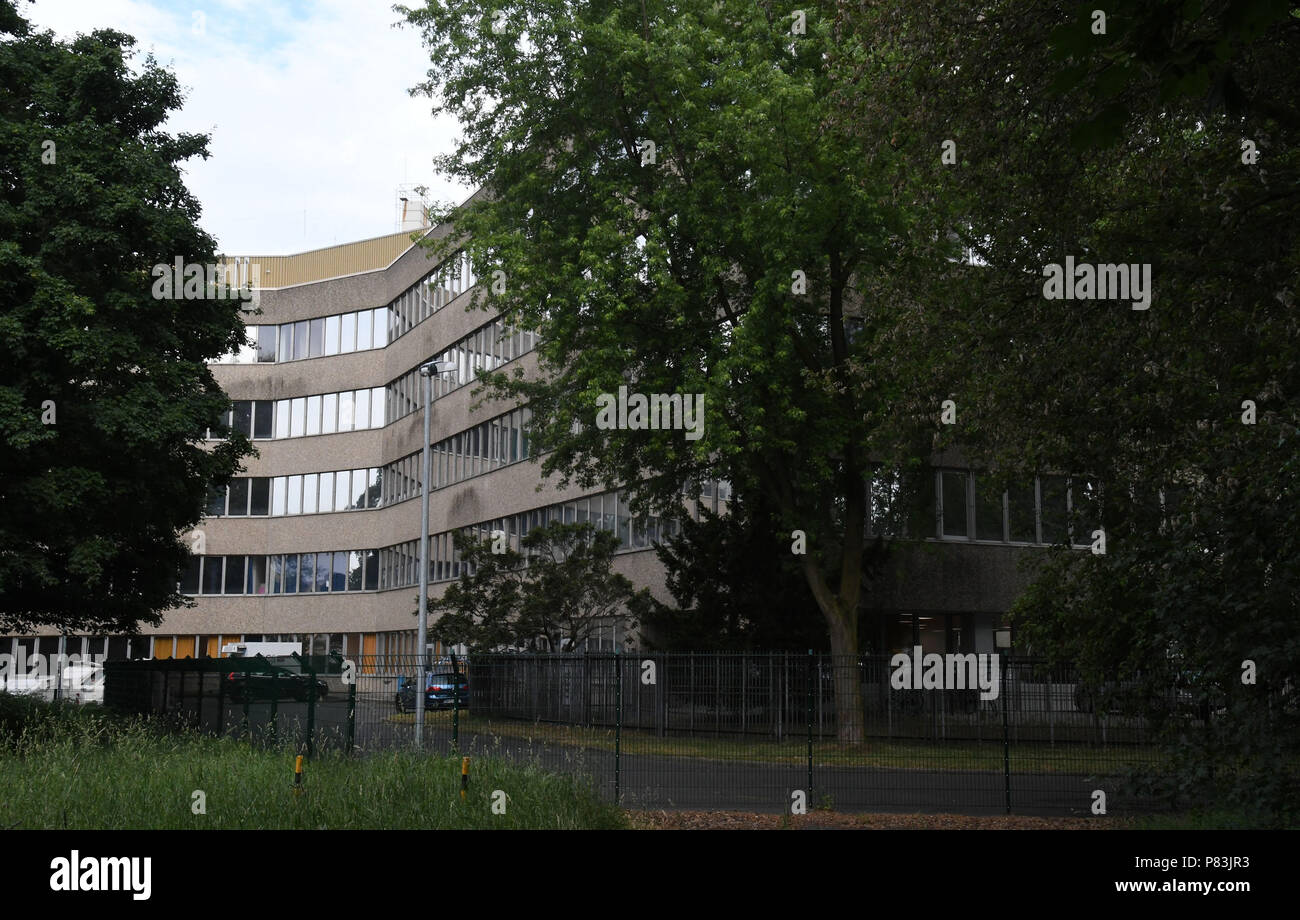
(954, 755)
(96, 773)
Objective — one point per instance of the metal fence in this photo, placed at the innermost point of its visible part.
(306, 700)
(761, 732)
(710, 730)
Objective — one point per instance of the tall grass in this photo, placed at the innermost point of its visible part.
(86, 770)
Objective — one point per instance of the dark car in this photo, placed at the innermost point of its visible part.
(442, 691)
(274, 683)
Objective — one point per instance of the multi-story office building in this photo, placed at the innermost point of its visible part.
(317, 540)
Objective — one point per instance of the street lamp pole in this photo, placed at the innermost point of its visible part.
(427, 372)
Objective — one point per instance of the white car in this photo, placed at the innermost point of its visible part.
(80, 683)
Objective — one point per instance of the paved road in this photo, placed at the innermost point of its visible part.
(657, 781)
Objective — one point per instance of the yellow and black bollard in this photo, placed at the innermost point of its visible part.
(464, 777)
(297, 776)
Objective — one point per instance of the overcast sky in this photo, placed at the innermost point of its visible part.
(306, 102)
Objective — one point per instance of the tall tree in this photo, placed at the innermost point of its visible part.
(669, 201)
(1176, 414)
(103, 385)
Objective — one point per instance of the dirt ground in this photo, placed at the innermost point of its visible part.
(819, 820)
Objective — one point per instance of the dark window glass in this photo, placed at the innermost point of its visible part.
(291, 574)
(339, 577)
(372, 569)
(316, 338)
(1085, 510)
(266, 343)
(211, 574)
(234, 574)
(238, 496)
(243, 417)
(1021, 521)
(262, 419)
(216, 501)
(1054, 509)
(954, 505)
(190, 576)
(256, 575)
(921, 512)
(988, 509)
(259, 493)
(306, 572)
(323, 571)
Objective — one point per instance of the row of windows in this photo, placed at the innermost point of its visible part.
(400, 564)
(966, 505)
(423, 299)
(327, 413)
(308, 493)
(354, 410)
(488, 446)
(359, 330)
(486, 348)
(293, 573)
(485, 447)
(349, 410)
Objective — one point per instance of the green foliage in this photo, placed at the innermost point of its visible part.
(102, 387)
(677, 274)
(736, 586)
(1145, 407)
(551, 594)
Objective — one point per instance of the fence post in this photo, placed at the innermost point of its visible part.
(1006, 740)
(586, 685)
(275, 705)
(221, 701)
(809, 720)
(311, 710)
(246, 730)
(352, 711)
(618, 723)
(691, 684)
(455, 703)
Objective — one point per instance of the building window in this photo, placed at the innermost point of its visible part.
(238, 497)
(953, 502)
(1022, 524)
(989, 512)
(1055, 510)
(234, 580)
(262, 419)
(190, 575)
(212, 574)
(266, 344)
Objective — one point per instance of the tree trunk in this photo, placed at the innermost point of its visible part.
(846, 679)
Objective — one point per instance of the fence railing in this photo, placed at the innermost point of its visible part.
(708, 730)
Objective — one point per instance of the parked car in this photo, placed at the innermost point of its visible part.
(442, 690)
(79, 683)
(278, 681)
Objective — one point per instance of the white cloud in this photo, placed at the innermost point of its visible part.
(307, 106)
